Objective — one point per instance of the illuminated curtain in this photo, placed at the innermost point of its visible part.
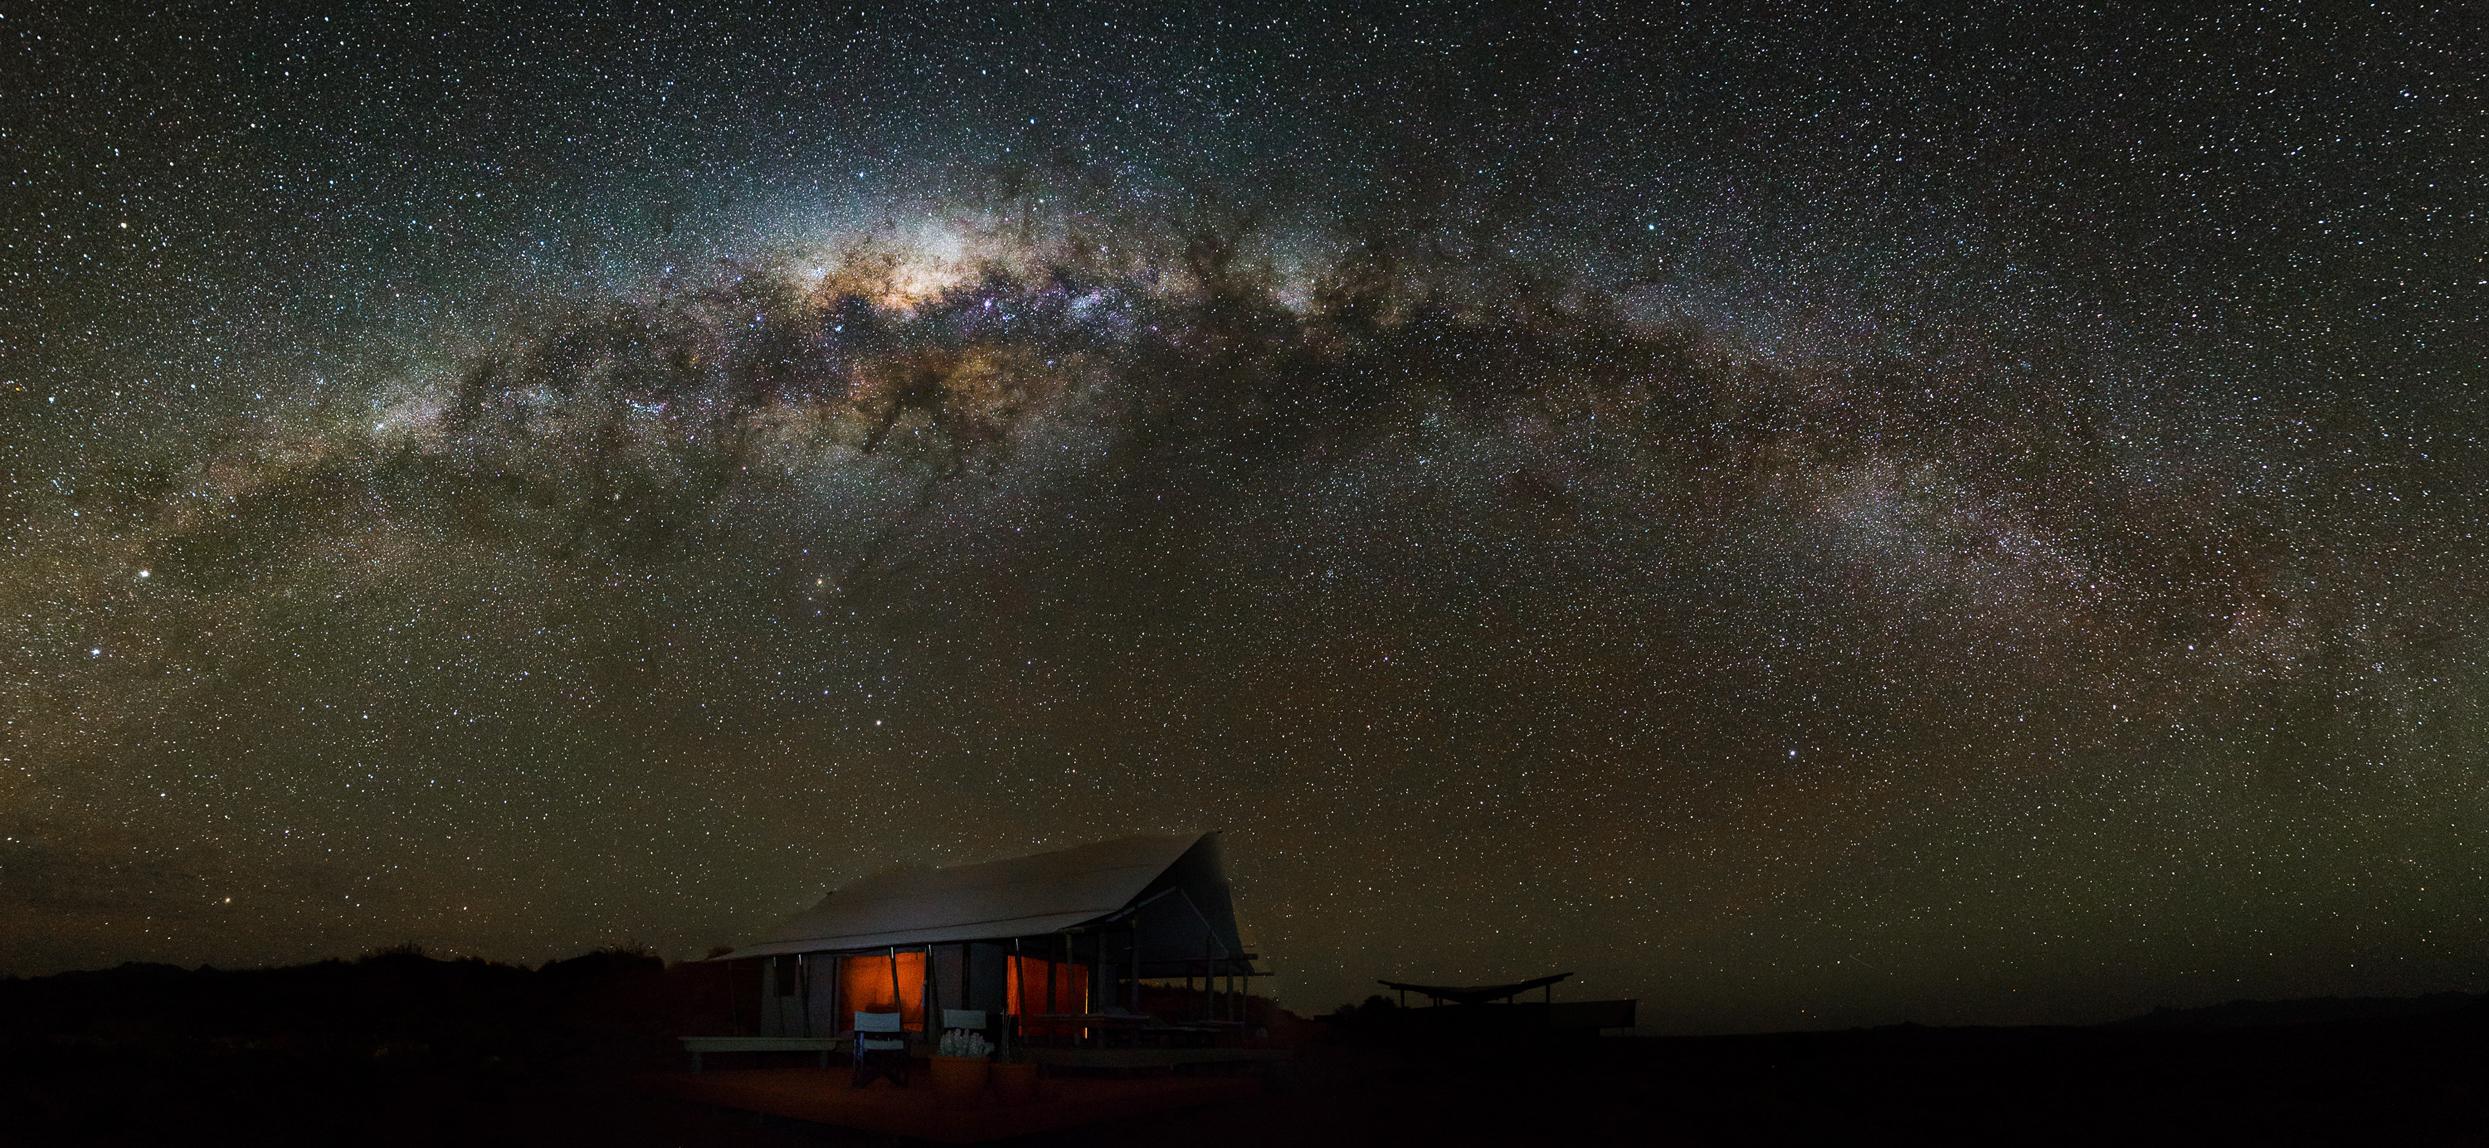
(864, 985)
(1026, 992)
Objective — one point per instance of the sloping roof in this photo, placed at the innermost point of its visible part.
(1015, 897)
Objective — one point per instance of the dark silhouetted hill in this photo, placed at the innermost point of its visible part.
(2314, 1010)
(394, 1048)
(401, 1048)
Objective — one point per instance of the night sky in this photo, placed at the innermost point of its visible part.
(1806, 515)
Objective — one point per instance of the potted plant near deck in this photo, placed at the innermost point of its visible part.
(959, 1066)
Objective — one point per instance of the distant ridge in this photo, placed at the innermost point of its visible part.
(2312, 1010)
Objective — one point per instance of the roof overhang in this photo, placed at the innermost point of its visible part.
(1038, 894)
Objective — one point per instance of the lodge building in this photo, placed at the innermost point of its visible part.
(1064, 944)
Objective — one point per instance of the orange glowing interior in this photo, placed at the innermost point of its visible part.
(885, 984)
(1028, 997)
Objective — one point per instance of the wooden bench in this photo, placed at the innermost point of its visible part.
(822, 1046)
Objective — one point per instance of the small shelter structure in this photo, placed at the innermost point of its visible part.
(1477, 994)
(1498, 1010)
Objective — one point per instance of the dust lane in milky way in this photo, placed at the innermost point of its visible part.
(1804, 520)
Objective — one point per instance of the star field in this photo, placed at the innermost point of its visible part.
(1807, 515)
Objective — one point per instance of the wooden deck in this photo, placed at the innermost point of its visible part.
(701, 1047)
(822, 1097)
(1154, 1059)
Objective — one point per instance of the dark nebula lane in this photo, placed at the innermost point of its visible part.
(1804, 516)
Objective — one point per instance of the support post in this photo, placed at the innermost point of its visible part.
(1015, 1024)
(898, 1003)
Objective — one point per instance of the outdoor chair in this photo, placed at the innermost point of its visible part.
(880, 1048)
(973, 1020)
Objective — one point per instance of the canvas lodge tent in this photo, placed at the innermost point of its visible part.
(1060, 943)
